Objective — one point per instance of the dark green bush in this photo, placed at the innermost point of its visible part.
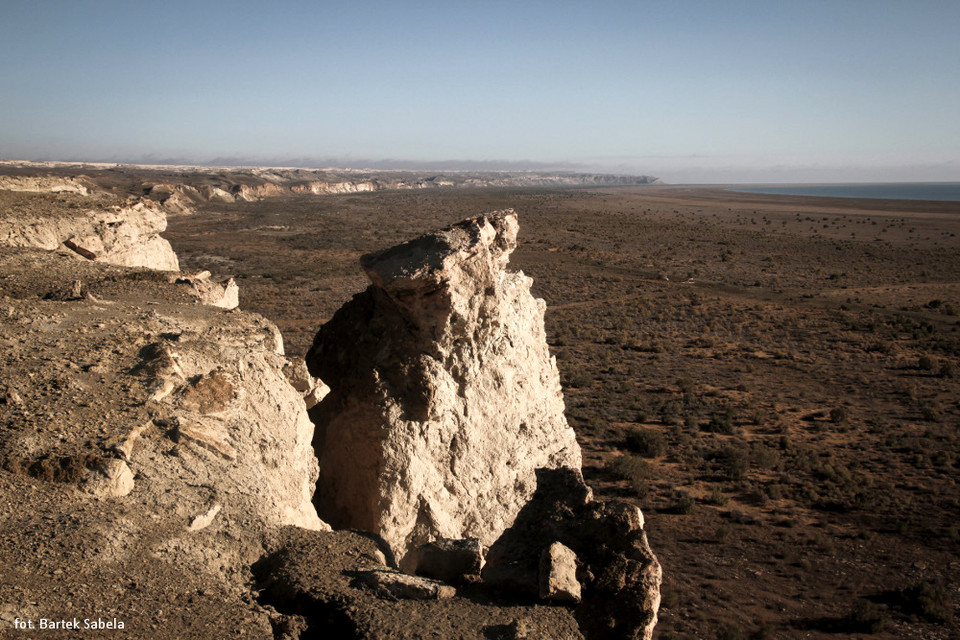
(646, 442)
(718, 424)
(928, 600)
(635, 470)
(864, 617)
(838, 414)
(734, 462)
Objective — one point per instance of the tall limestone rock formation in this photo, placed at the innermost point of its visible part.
(445, 399)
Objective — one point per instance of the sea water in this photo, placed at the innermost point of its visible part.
(944, 191)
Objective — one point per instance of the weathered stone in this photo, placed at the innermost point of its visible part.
(206, 438)
(444, 397)
(205, 519)
(297, 374)
(405, 587)
(317, 394)
(123, 447)
(12, 397)
(619, 577)
(126, 235)
(208, 394)
(111, 479)
(159, 361)
(450, 560)
(558, 574)
(225, 295)
(162, 389)
(44, 184)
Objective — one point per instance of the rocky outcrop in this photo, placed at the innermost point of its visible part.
(331, 188)
(44, 184)
(445, 422)
(252, 193)
(225, 295)
(122, 234)
(565, 546)
(208, 385)
(444, 397)
(151, 442)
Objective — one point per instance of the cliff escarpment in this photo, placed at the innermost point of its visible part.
(180, 189)
(159, 469)
(125, 233)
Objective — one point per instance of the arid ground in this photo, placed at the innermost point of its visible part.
(773, 379)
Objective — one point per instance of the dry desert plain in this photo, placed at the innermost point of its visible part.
(773, 379)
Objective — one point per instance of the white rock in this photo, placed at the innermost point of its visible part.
(204, 520)
(558, 574)
(445, 399)
(126, 235)
(41, 184)
(111, 479)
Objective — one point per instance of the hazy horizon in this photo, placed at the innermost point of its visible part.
(691, 92)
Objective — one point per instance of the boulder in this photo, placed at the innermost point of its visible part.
(444, 397)
(558, 574)
(225, 295)
(618, 575)
(394, 584)
(112, 478)
(450, 560)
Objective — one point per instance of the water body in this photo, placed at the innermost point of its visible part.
(943, 191)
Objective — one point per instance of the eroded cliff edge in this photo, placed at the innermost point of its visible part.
(157, 469)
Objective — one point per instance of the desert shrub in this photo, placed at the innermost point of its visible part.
(927, 363)
(716, 497)
(734, 462)
(580, 379)
(649, 443)
(730, 632)
(633, 469)
(838, 414)
(864, 617)
(718, 424)
(764, 457)
(928, 600)
(947, 370)
(685, 504)
(930, 412)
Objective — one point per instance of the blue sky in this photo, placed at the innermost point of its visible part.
(689, 91)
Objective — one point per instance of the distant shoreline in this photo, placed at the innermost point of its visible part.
(920, 191)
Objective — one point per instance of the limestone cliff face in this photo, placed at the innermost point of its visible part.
(44, 184)
(332, 188)
(445, 399)
(123, 234)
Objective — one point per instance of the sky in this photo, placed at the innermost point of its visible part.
(693, 92)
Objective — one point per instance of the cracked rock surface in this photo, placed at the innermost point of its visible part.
(444, 396)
